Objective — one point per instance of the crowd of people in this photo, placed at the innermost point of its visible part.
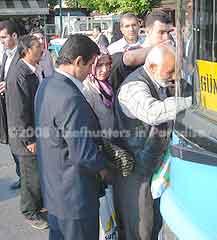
(55, 116)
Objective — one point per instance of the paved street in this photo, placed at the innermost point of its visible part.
(12, 223)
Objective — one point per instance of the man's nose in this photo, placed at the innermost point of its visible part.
(131, 28)
(104, 68)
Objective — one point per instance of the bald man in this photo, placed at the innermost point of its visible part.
(143, 108)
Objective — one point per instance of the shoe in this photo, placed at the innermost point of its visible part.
(44, 214)
(15, 185)
(37, 222)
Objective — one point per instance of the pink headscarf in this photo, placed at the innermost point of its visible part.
(104, 88)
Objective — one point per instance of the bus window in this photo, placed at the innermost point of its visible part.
(196, 71)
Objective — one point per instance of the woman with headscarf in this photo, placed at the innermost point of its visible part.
(98, 91)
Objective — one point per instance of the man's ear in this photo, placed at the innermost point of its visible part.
(78, 61)
(14, 36)
(153, 67)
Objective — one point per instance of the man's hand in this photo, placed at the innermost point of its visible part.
(2, 87)
(32, 148)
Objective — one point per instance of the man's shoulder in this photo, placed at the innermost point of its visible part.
(116, 46)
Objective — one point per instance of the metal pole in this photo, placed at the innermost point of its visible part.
(61, 18)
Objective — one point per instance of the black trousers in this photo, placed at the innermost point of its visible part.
(78, 229)
(134, 205)
(31, 198)
(17, 164)
(157, 220)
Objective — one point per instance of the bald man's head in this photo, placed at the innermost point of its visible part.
(160, 63)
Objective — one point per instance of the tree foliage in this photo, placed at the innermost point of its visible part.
(53, 3)
(112, 6)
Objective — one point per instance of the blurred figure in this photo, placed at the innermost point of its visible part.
(45, 66)
(129, 27)
(9, 34)
(99, 38)
(116, 32)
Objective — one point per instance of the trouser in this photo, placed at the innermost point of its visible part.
(157, 220)
(31, 198)
(134, 205)
(78, 229)
(17, 164)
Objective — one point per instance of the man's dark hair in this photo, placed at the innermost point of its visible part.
(11, 26)
(37, 30)
(26, 42)
(75, 46)
(157, 15)
(98, 28)
(127, 15)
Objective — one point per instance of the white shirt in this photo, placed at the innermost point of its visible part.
(77, 82)
(10, 53)
(33, 68)
(137, 102)
(2, 50)
(122, 44)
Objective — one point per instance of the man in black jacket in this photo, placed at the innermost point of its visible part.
(99, 38)
(21, 89)
(9, 33)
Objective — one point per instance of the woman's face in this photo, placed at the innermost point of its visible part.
(103, 68)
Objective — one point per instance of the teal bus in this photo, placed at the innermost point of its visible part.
(189, 204)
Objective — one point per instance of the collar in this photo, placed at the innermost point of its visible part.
(11, 52)
(140, 41)
(33, 68)
(78, 83)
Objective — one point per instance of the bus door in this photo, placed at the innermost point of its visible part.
(189, 205)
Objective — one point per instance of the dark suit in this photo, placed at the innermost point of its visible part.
(3, 115)
(68, 158)
(21, 88)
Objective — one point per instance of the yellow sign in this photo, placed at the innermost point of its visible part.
(208, 84)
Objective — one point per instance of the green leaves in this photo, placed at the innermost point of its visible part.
(52, 3)
(112, 6)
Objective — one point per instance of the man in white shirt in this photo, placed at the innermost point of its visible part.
(9, 33)
(129, 27)
(143, 108)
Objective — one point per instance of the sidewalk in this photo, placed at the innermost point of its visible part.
(12, 223)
